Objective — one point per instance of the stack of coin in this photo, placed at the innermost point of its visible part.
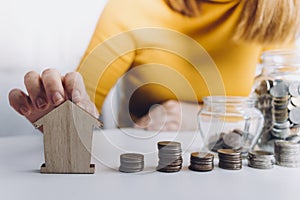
(170, 159)
(230, 159)
(280, 101)
(261, 159)
(230, 140)
(202, 162)
(264, 102)
(131, 162)
(287, 153)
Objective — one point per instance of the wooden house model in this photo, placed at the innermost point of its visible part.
(68, 133)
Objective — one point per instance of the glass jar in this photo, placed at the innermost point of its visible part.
(277, 90)
(229, 122)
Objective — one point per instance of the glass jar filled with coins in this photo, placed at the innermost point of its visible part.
(227, 122)
(277, 90)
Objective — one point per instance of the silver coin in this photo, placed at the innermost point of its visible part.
(238, 131)
(294, 89)
(282, 125)
(260, 153)
(260, 166)
(287, 144)
(279, 90)
(290, 106)
(280, 133)
(202, 156)
(294, 116)
(132, 157)
(128, 170)
(295, 101)
(230, 166)
(293, 138)
(229, 152)
(169, 145)
(290, 165)
(233, 140)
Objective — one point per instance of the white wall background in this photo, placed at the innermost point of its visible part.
(38, 34)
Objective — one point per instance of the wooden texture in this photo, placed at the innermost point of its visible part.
(68, 133)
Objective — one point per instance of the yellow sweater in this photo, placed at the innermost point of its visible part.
(150, 45)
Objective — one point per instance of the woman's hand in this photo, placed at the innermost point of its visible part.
(48, 90)
(170, 116)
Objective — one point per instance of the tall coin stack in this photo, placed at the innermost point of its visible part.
(261, 159)
(202, 162)
(230, 159)
(131, 162)
(280, 101)
(170, 159)
(264, 103)
(287, 154)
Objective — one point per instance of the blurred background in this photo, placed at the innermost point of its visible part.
(36, 35)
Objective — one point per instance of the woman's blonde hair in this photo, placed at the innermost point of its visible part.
(262, 21)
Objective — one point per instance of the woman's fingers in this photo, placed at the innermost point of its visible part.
(170, 116)
(47, 91)
(75, 90)
(20, 102)
(74, 87)
(35, 89)
(54, 89)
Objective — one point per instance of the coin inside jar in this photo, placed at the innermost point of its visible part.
(294, 115)
(294, 88)
(232, 140)
(279, 90)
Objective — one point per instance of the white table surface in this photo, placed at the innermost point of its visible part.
(21, 157)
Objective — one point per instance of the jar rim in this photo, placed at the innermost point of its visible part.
(229, 99)
(281, 52)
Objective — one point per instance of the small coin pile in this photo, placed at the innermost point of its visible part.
(201, 162)
(261, 159)
(131, 162)
(231, 140)
(170, 158)
(230, 159)
(287, 154)
(279, 102)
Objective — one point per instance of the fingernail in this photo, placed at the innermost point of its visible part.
(41, 103)
(76, 96)
(24, 110)
(57, 98)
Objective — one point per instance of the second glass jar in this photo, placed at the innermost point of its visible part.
(229, 122)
